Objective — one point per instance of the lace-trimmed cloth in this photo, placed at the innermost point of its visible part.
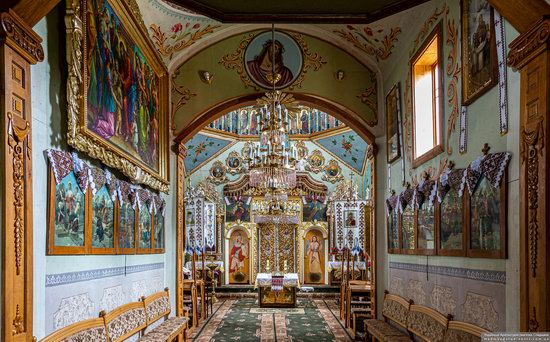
(62, 164)
(277, 283)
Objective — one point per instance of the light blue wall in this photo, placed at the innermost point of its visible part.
(483, 126)
(70, 288)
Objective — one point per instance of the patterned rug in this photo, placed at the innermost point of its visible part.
(235, 320)
(285, 311)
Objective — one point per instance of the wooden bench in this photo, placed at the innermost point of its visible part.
(395, 309)
(88, 330)
(462, 331)
(427, 323)
(158, 306)
(125, 321)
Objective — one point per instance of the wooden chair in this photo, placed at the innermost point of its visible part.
(88, 330)
(125, 321)
(158, 306)
(462, 331)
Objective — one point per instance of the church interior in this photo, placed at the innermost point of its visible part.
(205, 170)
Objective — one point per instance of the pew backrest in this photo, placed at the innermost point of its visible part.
(157, 306)
(463, 332)
(427, 323)
(88, 330)
(125, 321)
(396, 309)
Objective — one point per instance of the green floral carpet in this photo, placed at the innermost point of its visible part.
(232, 320)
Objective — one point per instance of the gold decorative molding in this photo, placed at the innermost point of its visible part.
(86, 143)
(333, 172)
(218, 173)
(453, 71)
(522, 47)
(315, 161)
(311, 60)
(235, 61)
(407, 117)
(183, 96)
(376, 45)
(180, 40)
(532, 144)
(16, 33)
(426, 28)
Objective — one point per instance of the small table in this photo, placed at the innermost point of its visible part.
(277, 299)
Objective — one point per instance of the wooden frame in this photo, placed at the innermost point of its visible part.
(75, 328)
(139, 249)
(436, 315)
(52, 203)
(436, 33)
(94, 139)
(489, 72)
(393, 101)
(466, 327)
(503, 202)
(89, 227)
(120, 249)
(426, 251)
(452, 252)
(394, 216)
(402, 249)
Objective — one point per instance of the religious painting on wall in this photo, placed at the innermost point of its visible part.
(407, 229)
(159, 229)
(127, 230)
(103, 223)
(315, 161)
(239, 258)
(479, 56)
(237, 209)
(314, 257)
(393, 112)
(67, 210)
(426, 227)
(393, 232)
(350, 218)
(122, 119)
(451, 222)
(487, 220)
(144, 229)
(262, 51)
(314, 209)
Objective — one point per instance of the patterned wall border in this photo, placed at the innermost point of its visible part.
(489, 276)
(80, 276)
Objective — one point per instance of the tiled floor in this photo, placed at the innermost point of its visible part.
(232, 321)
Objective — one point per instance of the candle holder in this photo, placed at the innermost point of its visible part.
(212, 269)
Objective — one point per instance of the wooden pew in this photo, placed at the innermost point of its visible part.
(157, 306)
(88, 330)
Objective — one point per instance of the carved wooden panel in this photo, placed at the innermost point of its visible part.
(529, 53)
(180, 229)
(19, 47)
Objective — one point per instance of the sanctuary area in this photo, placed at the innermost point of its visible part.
(206, 170)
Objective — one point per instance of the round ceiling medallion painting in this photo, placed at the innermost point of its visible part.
(258, 60)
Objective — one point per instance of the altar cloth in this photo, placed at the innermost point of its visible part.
(289, 280)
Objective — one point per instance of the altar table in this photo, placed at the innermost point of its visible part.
(286, 298)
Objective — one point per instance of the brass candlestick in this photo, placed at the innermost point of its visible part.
(212, 267)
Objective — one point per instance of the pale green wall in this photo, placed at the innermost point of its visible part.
(49, 127)
(227, 84)
(483, 127)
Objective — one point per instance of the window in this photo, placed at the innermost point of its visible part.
(427, 101)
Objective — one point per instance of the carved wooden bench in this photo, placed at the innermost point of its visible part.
(426, 323)
(396, 310)
(88, 330)
(157, 306)
(125, 321)
(463, 332)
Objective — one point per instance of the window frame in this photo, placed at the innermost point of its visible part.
(437, 149)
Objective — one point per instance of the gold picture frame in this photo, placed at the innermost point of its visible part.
(479, 53)
(117, 103)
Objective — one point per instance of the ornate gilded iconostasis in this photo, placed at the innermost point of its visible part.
(304, 246)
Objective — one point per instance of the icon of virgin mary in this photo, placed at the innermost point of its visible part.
(260, 67)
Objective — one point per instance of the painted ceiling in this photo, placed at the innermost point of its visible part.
(349, 147)
(202, 148)
(244, 122)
